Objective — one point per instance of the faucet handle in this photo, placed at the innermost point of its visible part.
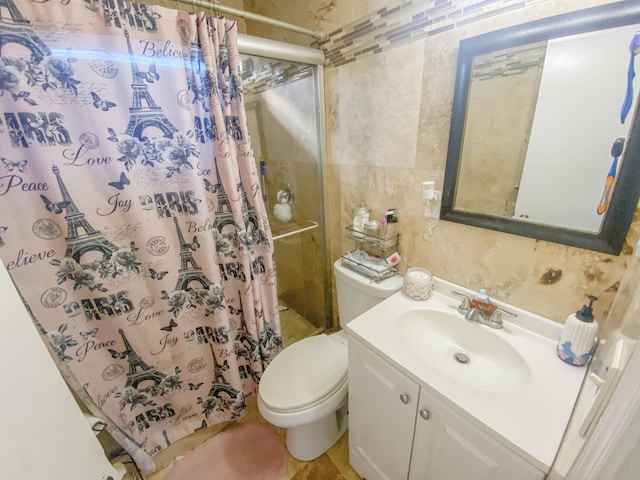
(496, 316)
(465, 304)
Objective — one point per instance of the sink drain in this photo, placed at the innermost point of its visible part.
(462, 358)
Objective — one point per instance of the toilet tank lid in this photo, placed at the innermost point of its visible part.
(383, 289)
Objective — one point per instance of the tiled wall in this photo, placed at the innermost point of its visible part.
(408, 21)
(388, 116)
(509, 62)
(490, 171)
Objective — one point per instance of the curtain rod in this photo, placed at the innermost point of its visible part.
(317, 34)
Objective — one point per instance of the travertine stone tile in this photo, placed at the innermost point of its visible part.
(377, 96)
(321, 467)
(339, 455)
(294, 326)
(583, 273)
(329, 15)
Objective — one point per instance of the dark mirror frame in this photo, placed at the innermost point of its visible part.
(624, 199)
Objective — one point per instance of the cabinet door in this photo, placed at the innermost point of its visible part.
(448, 447)
(382, 409)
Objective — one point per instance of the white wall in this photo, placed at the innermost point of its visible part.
(584, 77)
(44, 434)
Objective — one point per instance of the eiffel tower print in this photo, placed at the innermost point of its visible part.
(189, 269)
(17, 29)
(139, 371)
(220, 384)
(202, 87)
(224, 216)
(80, 243)
(144, 111)
(245, 339)
(269, 340)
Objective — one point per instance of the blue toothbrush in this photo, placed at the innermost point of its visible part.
(634, 48)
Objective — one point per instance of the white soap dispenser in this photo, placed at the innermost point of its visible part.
(576, 343)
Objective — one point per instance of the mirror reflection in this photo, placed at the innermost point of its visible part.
(538, 146)
(541, 123)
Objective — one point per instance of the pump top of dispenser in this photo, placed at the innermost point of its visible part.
(585, 314)
(390, 215)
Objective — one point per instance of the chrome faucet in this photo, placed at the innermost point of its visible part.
(473, 314)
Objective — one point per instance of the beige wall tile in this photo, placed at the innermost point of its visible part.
(376, 96)
(436, 100)
(328, 15)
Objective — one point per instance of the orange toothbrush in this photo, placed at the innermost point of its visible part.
(616, 151)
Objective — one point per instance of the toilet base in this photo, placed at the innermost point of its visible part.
(311, 440)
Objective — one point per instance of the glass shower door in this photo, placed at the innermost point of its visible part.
(282, 104)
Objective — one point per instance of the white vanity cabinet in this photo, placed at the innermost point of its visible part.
(398, 430)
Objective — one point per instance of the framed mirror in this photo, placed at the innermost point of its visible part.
(540, 144)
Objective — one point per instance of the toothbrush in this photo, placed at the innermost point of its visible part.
(616, 151)
(634, 48)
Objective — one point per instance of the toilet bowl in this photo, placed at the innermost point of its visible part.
(304, 388)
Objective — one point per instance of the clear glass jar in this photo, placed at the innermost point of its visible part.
(371, 228)
(360, 216)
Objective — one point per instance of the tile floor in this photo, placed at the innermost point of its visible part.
(294, 326)
(332, 465)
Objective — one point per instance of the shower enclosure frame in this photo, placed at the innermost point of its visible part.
(251, 45)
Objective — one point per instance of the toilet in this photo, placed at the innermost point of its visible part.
(304, 388)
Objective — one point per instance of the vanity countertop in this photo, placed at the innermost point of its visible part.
(530, 419)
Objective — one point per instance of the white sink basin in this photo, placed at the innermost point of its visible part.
(464, 351)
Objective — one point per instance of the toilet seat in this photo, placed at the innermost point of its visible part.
(304, 374)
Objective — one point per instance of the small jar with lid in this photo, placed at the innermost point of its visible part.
(372, 228)
(360, 216)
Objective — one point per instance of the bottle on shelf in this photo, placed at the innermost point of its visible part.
(391, 227)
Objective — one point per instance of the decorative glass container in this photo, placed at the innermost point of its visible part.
(418, 283)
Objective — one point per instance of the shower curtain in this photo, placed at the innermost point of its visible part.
(132, 221)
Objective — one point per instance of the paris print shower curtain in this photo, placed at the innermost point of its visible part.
(131, 218)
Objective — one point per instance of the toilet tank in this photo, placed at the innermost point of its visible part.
(357, 294)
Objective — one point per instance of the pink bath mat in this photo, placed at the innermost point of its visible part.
(246, 452)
